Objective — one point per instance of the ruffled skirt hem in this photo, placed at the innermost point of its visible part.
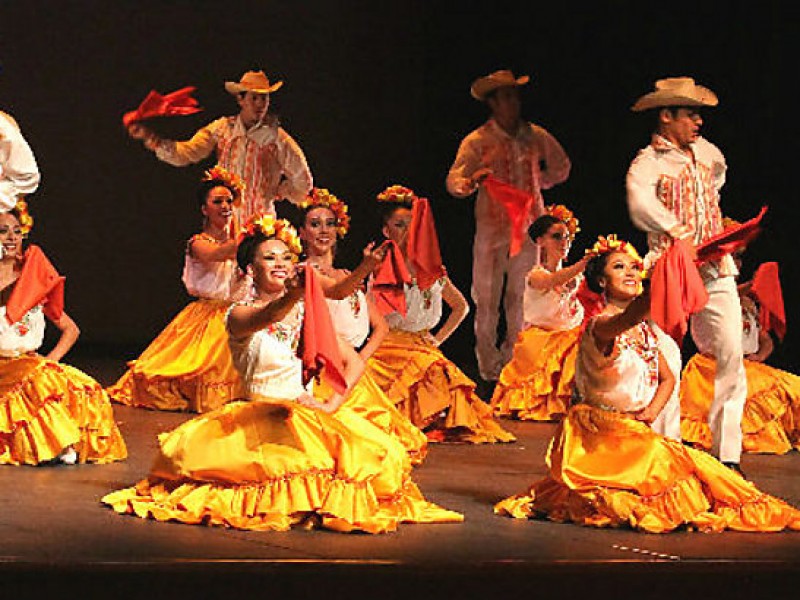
(48, 407)
(188, 367)
(536, 385)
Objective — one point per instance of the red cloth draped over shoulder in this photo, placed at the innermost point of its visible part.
(388, 285)
(38, 283)
(319, 344)
(767, 290)
(518, 205)
(177, 103)
(676, 291)
(730, 239)
(423, 245)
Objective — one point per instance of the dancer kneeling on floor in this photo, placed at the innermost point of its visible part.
(536, 385)
(607, 467)
(424, 384)
(48, 411)
(188, 366)
(357, 321)
(280, 459)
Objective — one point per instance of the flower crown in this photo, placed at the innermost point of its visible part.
(25, 218)
(231, 181)
(606, 245)
(397, 193)
(566, 216)
(322, 197)
(279, 229)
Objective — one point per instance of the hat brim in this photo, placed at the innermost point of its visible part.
(483, 86)
(234, 87)
(666, 98)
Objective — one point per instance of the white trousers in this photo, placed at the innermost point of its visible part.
(668, 422)
(717, 331)
(491, 268)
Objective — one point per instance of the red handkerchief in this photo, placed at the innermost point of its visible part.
(518, 205)
(730, 239)
(38, 283)
(676, 291)
(388, 286)
(592, 302)
(319, 347)
(177, 103)
(767, 290)
(423, 245)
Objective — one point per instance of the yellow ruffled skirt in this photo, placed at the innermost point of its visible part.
(369, 402)
(609, 470)
(431, 391)
(536, 384)
(771, 418)
(188, 367)
(273, 464)
(47, 406)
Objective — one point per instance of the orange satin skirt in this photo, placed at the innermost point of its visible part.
(609, 470)
(771, 418)
(536, 384)
(47, 406)
(369, 402)
(188, 367)
(431, 391)
(273, 464)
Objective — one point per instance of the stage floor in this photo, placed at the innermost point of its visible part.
(53, 529)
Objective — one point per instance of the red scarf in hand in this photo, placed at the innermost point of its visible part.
(592, 302)
(676, 291)
(177, 103)
(388, 285)
(767, 290)
(517, 203)
(730, 239)
(319, 344)
(423, 245)
(38, 283)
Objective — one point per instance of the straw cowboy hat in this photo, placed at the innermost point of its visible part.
(252, 81)
(676, 91)
(505, 78)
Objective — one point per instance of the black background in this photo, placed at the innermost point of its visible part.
(375, 93)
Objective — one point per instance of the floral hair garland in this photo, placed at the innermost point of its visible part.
(397, 193)
(606, 245)
(279, 229)
(25, 218)
(324, 198)
(566, 216)
(231, 181)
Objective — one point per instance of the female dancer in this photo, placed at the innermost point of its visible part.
(280, 459)
(48, 411)
(771, 418)
(537, 383)
(607, 467)
(409, 367)
(325, 219)
(188, 366)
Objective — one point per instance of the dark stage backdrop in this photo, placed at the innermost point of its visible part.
(375, 93)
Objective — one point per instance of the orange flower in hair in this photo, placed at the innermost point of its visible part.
(231, 180)
(25, 218)
(324, 198)
(279, 229)
(397, 193)
(606, 245)
(566, 216)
